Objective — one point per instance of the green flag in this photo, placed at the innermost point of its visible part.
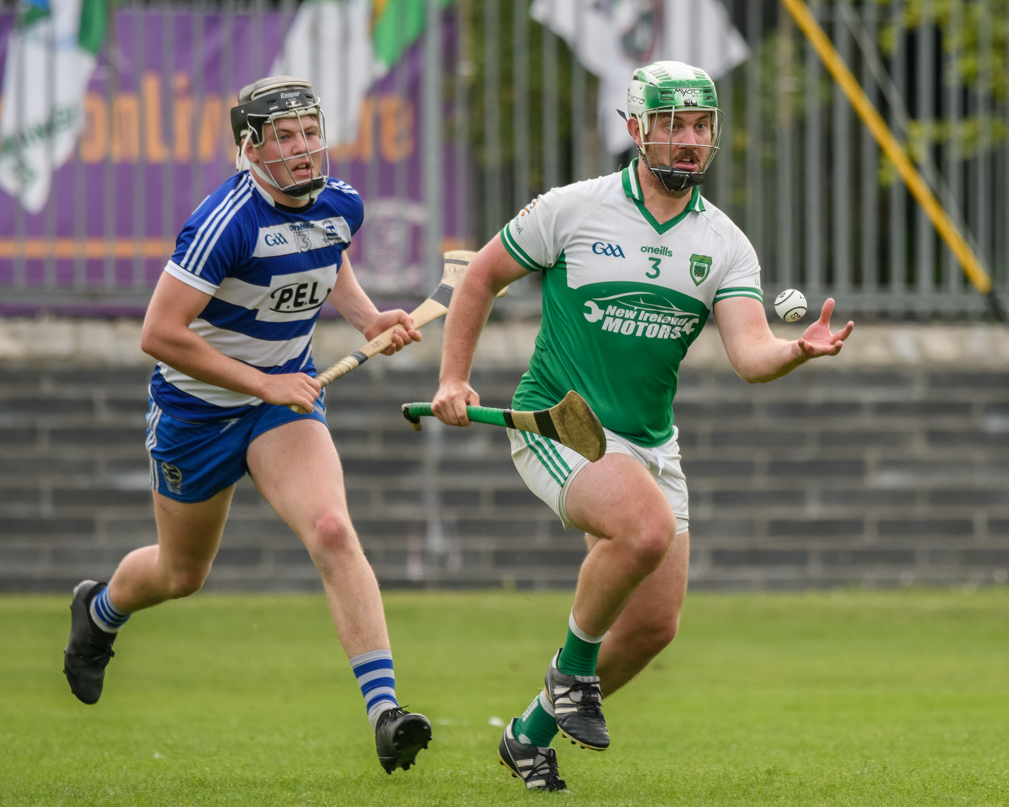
(397, 25)
(50, 58)
(343, 47)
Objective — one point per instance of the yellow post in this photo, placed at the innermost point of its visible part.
(884, 137)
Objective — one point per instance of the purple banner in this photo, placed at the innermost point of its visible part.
(157, 140)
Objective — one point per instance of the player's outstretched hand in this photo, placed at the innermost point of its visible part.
(450, 402)
(401, 337)
(289, 389)
(817, 340)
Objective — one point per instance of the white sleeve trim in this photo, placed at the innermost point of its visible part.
(189, 278)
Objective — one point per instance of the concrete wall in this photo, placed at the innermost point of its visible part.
(888, 465)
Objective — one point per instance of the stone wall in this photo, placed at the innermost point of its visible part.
(888, 465)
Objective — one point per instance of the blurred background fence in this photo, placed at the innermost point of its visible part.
(449, 115)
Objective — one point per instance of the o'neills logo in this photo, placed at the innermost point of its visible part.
(664, 251)
(641, 314)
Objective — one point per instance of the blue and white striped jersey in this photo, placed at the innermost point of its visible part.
(269, 270)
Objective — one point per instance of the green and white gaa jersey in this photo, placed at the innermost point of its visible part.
(623, 297)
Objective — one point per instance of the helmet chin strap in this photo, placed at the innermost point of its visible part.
(672, 179)
(307, 190)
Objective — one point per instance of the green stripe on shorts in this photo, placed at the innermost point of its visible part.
(550, 458)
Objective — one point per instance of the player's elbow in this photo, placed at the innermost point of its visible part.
(756, 379)
(749, 373)
(148, 343)
(154, 343)
(761, 374)
(755, 372)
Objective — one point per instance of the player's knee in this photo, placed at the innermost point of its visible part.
(650, 552)
(332, 536)
(659, 635)
(649, 638)
(652, 542)
(186, 582)
(652, 642)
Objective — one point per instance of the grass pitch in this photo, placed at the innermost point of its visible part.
(848, 698)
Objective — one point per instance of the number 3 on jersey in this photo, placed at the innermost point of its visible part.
(653, 273)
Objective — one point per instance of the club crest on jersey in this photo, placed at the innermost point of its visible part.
(330, 232)
(700, 266)
(611, 250)
(641, 314)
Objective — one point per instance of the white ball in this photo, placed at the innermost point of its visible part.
(790, 305)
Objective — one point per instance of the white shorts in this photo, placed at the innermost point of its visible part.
(548, 469)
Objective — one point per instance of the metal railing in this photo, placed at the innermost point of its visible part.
(487, 108)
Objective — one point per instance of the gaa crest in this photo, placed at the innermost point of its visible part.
(700, 266)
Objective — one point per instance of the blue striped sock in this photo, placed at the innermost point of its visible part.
(377, 680)
(105, 615)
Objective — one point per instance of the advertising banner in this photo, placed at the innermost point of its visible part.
(156, 139)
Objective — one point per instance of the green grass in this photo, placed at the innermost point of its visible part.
(848, 698)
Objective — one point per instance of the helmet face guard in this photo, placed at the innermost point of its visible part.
(260, 106)
(664, 150)
(668, 88)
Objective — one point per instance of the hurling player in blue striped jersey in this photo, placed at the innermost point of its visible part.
(230, 324)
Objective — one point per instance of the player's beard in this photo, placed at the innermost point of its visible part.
(660, 155)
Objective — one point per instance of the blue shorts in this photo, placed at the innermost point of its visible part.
(191, 462)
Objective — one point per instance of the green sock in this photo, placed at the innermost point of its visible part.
(536, 726)
(580, 652)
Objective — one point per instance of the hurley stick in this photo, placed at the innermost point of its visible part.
(571, 422)
(456, 263)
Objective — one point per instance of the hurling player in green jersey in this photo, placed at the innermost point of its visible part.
(632, 265)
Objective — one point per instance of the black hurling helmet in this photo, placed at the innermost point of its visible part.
(263, 103)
